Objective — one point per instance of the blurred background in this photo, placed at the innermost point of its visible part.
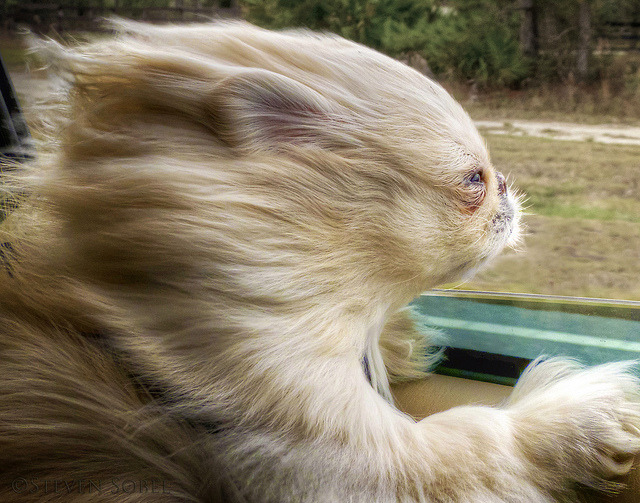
(554, 86)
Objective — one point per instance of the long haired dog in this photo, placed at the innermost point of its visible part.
(202, 295)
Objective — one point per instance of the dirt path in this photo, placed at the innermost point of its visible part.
(33, 90)
(601, 133)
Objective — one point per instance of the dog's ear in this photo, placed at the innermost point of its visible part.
(260, 109)
(249, 108)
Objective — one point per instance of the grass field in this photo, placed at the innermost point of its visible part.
(583, 235)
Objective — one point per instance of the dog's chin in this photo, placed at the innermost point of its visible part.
(510, 213)
(503, 232)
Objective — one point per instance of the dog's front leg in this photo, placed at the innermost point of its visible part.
(313, 429)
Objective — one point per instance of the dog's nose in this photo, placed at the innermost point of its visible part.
(502, 183)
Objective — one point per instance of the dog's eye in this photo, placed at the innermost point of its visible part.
(474, 190)
(476, 177)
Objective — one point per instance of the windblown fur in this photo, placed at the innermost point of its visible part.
(225, 224)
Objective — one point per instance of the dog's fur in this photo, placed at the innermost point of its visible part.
(221, 234)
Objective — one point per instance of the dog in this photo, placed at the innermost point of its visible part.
(205, 295)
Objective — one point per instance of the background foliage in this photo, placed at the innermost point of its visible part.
(569, 56)
(475, 40)
(471, 39)
(487, 43)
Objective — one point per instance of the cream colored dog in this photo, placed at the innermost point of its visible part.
(216, 252)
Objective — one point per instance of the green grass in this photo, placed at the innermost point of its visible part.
(571, 211)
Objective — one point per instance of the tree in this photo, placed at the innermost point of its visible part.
(528, 28)
(584, 39)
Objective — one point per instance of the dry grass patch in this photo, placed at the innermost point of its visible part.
(572, 179)
(568, 256)
(584, 236)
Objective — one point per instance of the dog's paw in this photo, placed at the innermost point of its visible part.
(577, 425)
